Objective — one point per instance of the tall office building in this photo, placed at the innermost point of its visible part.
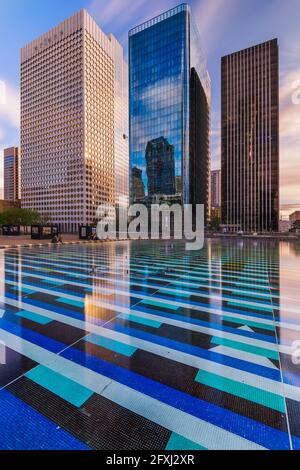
(250, 138)
(12, 174)
(74, 135)
(169, 102)
(215, 188)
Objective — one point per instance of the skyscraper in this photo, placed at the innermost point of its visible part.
(74, 134)
(215, 188)
(12, 174)
(169, 100)
(250, 138)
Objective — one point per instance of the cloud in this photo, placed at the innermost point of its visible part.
(216, 132)
(118, 16)
(2, 92)
(212, 17)
(289, 138)
(151, 96)
(1, 168)
(9, 105)
(9, 121)
(289, 107)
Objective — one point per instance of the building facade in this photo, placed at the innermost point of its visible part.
(250, 138)
(295, 221)
(7, 204)
(215, 189)
(169, 100)
(294, 217)
(12, 174)
(284, 225)
(74, 122)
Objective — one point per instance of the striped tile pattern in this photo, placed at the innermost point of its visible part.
(148, 346)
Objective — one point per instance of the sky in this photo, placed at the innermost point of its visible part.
(225, 26)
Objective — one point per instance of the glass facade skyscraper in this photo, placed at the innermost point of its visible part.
(169, 111)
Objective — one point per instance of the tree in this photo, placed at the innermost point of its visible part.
(215, 222)
(18, 216)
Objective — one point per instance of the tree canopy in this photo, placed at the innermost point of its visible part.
(215, 222)
(18, 216)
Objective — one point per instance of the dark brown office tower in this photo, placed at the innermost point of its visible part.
(250, 139)
(199, 145)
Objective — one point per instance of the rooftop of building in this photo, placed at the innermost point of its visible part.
(294, 216)
(273, 41)
(157, 19)
(10, 151)
(79, 20)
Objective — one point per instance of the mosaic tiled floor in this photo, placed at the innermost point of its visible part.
(149, 346)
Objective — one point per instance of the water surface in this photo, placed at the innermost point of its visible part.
(145, 345)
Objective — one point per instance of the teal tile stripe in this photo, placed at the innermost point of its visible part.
(175, 293)
(242, 390)
(252, 307)
(261, 289)
(111, 344)
(65, 388)
(177, 442)
(156, 303)
(24, 290)
(54, 283)
(246, 347)
(141, 320)
(241, 321)
(257, 295)
(74, 303)
(35, 317)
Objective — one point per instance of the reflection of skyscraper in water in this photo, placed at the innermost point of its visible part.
(250, 275)
(111, 265)
(160, 167)
(13, 363)
(214, 272)
(138, 188)
(178, 184)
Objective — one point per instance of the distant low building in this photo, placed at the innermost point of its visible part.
(215, 189)
(230, 228)
(295, 221)
(295, 217)
(4, 204)
(284, 225)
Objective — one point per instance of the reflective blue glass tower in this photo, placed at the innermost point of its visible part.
(169, 111)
